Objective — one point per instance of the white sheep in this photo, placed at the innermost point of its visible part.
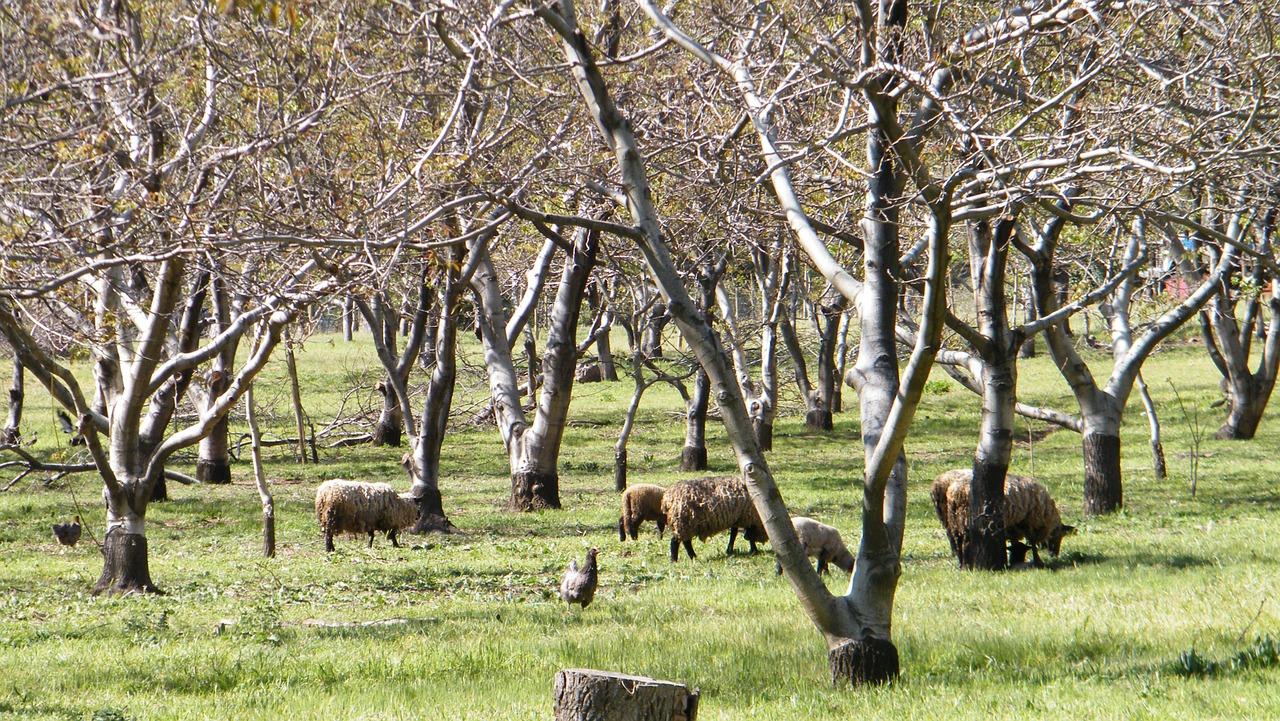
(641, 502)
(1029, 512)
(822, 542)
(703, 507)
(358, 508)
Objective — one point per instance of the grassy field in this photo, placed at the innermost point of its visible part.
(1151, 613)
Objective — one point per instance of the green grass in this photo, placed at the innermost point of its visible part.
(1104, 632)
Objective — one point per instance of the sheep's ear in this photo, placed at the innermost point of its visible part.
(1068, 530)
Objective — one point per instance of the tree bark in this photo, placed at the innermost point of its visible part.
(425, 467)
(260, 478)
(535, 484)
(12, 432)
(1158, 465)
(387, 431)
(816, 416)
(657, 320)
(869, 661)
(348, 318)
(1103, 492)
(997, 344)
(291, 366)
(604, 349)
(125, 568)
(586, 695)
(831, 311)
(693, 456)
(214, 464)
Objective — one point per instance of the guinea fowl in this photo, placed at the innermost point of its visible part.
(579, 585)
(68, 534)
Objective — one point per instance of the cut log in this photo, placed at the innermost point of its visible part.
(587, 695)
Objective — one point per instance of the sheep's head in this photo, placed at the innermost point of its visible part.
(843, 560)
(755, 534)
(1054, 542)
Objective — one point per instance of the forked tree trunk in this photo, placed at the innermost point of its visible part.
(859, 623)
(535, 483)
(425, 469)
(985, 538)
(12, 432)
(533, 450)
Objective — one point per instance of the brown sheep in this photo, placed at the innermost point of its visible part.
(703, 507)
(640, 503)
(1029, 512)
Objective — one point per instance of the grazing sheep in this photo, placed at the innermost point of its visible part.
(640, 503)
(703, 507)
(579, 584)
(1029, 512)
(822, 542)
(355, 507)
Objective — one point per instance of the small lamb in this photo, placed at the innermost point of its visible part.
(640, 503)
(822, 542)
(703, 507)
(356, 507)
(1029, 512)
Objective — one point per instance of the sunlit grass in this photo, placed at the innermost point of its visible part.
(1096, 635)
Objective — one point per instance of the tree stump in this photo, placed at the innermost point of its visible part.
(587, 695)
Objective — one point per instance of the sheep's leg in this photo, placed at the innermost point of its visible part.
(675, 549)
(1035, 555)
(370, 539)
(733, 536)
(822, 562)
(688, 548)
(391, 536)
(754, 550)
(622, 533)
(328, 540)
(662, 525)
